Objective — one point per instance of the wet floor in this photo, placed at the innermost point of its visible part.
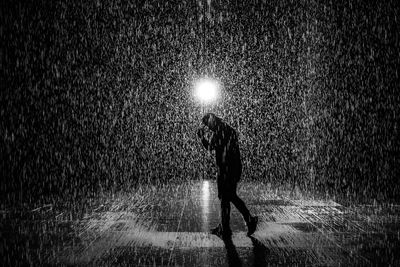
(168, 226)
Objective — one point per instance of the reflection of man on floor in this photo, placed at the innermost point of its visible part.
(224, 141)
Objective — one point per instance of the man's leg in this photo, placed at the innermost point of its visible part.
(251, 221)
(223, 229)
(225, 215)
(239, 204)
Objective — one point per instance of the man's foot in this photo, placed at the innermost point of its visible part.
(252, 225)
(218, 231)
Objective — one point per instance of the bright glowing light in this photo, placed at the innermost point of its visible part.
(206, 90)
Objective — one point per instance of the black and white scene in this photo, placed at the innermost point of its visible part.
(200, 133)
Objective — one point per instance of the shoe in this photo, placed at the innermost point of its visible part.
(221, 233)
(252, 225)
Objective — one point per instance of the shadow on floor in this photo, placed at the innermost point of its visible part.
(231, 253)
(259, 250)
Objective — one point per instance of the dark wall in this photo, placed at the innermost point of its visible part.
(99, 95)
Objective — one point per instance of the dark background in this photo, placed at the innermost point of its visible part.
(97, 95)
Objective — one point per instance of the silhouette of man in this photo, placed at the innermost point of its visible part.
(224, 141)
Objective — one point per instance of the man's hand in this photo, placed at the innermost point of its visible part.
(200, 133)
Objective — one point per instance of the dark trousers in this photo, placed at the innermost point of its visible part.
(227, 194)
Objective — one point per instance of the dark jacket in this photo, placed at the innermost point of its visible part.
(225, 143)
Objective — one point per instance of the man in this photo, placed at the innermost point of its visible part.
(224, 141)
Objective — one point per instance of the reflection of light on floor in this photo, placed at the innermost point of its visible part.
(205, 203)
(206, 191)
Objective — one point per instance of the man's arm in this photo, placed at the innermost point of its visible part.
(207, 145)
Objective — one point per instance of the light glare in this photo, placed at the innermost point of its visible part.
(206, 90)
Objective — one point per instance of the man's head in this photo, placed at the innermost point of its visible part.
(211, 121)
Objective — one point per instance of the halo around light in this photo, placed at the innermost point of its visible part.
(206, 90)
